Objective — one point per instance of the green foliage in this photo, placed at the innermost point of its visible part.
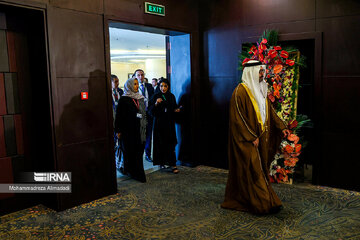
(301, 62)
(303, 120)
(272, 36)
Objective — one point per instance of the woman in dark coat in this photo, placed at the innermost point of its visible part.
(130, 125)
(163, 107)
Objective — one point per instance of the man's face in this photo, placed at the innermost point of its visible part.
(261, 74)
(115, 83)
(140, 76)
(154, 82)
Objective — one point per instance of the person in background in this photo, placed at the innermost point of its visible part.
(146, 80)
(154, 83)
(147, 91)
(130, 126)
(163, 107)
(116, 95)
(254, 135)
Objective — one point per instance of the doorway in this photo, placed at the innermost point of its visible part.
(26, 143)
(305, 106)
(160, 53)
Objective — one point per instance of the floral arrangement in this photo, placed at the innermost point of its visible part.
(282, 77)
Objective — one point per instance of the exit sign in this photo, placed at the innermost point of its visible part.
(153, 8)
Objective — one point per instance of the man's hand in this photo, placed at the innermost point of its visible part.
(286, 132)
(118, 135)
(256, 142)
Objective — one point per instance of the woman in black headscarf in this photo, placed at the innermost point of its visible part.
(130, 125)
(163, 107)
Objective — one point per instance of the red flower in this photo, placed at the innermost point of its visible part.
(284, 54)
(293, 124)
(271, 97)
(252, 50)
(245, 60)
(277, 48)
(272, 53)
(290, 62)
(264, 41)
(278, 61)
(262, 48)
(297, 148)
(261, 57)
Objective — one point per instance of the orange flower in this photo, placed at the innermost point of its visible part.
(295, 154)
(297, 148)
(278, 68)
(289, 149)
(293, 138)
(291, 162)
(276, 90)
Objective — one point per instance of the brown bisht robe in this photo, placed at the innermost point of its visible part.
(248, 187)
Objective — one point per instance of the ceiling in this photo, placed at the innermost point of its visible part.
(135, 46)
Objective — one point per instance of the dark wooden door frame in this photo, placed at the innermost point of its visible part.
(138, 27)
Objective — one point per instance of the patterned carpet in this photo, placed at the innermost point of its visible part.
(187, 206)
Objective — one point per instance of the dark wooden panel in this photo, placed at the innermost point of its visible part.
(93, 172)
(222, 51)
(2, 95)
(76, 41)
(91, 6)
(19, 134)
(12, 93)
(331, 8)
(6, 170)
(340, 166)
(341, 108)
(11, 51)
(81, 120)
(293, 27)
(341, 50)
(6, 175)
(10, 137)
(2, 21)
(274, 11)
(2, 138)
(179, 15)
(216, 13)
(4, 59)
